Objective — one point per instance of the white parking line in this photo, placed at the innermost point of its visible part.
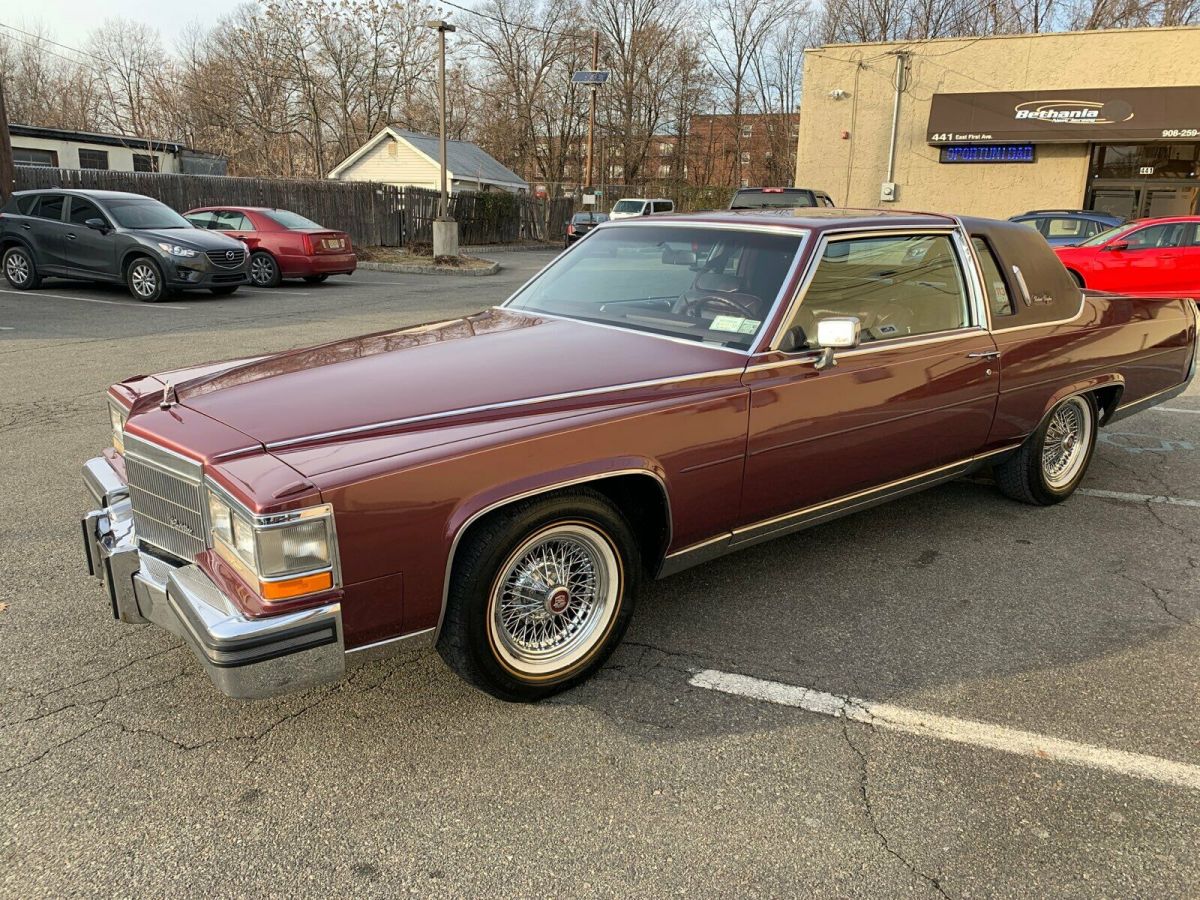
(41, 294)
(1138, 498)
(947, 728)
(244, 289)
(1190, 412)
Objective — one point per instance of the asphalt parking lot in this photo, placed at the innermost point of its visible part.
(1024, 687)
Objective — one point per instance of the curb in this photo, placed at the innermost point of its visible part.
(511, 248)
(405, 269)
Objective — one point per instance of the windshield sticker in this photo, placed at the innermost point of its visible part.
(735, 324)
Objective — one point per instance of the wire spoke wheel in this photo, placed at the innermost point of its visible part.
(1065, 446)
(554, 599)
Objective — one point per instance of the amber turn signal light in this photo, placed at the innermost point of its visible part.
(295, 587)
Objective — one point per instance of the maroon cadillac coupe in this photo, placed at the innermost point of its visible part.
(667, 390)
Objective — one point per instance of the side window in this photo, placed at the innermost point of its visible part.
(1153, 237)
(998, 295)
(1029, 223)
(82, 210)
(202, 219)
(1094, 227)
(26, 204)
(227, 220)
(50, 207)
(897, 286)
(663, 206)
(1065, 228)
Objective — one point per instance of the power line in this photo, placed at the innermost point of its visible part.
(508, 23)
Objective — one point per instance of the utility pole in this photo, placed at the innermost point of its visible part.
(7, 174)
(589, 183)
(445, 229)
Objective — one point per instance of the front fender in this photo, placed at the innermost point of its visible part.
(475, 507)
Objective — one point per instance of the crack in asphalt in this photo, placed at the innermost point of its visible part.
(1158, 595)
(864, 793)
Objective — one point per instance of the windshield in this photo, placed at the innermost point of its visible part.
(771, 199)
(144, 213)
(291, 221)
(628, 206)
(1102, 238)
(704, 284)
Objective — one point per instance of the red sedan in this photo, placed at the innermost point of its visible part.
(1151, 256)
(282, 244)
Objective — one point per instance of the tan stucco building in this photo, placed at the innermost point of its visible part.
(999, 125)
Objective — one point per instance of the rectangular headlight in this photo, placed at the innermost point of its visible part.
(284, 556)
(117, 418)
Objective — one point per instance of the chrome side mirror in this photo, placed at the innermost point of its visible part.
(839, 333)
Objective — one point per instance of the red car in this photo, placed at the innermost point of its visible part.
(668, 390)
(282, 244)
(1158, 257)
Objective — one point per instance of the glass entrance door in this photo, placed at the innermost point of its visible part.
(1137, 181)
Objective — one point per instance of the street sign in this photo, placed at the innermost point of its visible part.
(589, 77)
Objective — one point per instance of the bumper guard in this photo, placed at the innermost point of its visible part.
(245, 658)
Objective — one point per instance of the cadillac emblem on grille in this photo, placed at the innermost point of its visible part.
(181, 526)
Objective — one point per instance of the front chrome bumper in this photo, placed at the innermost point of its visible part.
(246, 658)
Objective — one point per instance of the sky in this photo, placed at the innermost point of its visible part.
(69, 21)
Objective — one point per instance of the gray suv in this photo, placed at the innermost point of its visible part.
(115, 237)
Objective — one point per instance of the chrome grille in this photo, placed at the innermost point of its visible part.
(166, 492)
(227, 259)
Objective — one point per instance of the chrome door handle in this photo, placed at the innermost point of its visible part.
(985, 354)
(71, 236)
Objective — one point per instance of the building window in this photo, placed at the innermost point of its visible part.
(145, 162)
(93, 159)
(28, 156)
(664, 171)
(745, 159)
(768, 154)
(747, 130)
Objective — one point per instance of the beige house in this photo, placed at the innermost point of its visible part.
(407, 159)
(1000, 125)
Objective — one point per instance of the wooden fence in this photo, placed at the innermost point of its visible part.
(374, 215)
(368, 212)
(486, 217)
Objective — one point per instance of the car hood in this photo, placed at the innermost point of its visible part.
(481, 368)
(198, 238)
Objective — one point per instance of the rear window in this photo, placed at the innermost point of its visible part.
(587, 218)
(781, 198)
(291, 221)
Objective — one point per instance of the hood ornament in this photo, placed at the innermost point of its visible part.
(169, 397)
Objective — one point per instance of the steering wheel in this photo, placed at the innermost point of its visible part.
(691, 306)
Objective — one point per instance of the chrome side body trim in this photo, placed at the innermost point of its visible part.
(507, 404)
(414, 642)
(810, 356)
(1066, 321)
(525, 495)
(1125, 410)
(801, 519)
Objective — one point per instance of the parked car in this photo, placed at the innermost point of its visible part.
(116, 237)
(1157, 257)
(635, 206)
(581, 223)
(499, 486)
(770, 197)
(282, 244)
(1064, 227)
